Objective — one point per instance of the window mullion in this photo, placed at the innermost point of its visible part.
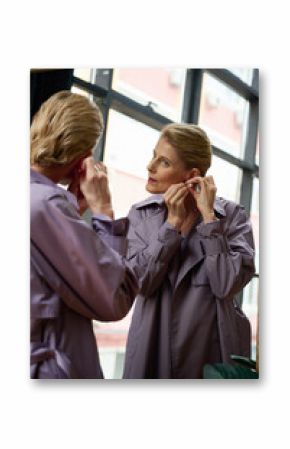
(192, 95)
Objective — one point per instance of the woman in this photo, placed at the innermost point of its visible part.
(76, 272)
(192, 252)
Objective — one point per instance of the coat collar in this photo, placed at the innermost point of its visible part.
(193, 253)
(159, 200)
(153, 199)
(38, 178)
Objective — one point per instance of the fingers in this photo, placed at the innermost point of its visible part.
(199, 184)
(210, 185)
(194, 181)
(174, 197)
(90, 164)
(199, 179)
(101, 171)
(209, 180)
(93, 171)
(99, 166)
(195, 185)
(179, 194)
(173, 189)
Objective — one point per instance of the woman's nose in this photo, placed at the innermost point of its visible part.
(150, 166)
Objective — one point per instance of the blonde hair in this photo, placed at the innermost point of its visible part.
(66, 126)
(191, 143)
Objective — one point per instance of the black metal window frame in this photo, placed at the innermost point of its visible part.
(108, 98)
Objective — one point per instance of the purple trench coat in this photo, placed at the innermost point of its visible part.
(185, 314)
(75, 277)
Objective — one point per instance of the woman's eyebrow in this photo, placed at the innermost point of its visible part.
(160, 156)
(165, 157)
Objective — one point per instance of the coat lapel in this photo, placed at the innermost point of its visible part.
(154, 216)
(192, 255)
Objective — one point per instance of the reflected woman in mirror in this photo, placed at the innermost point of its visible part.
(192, 252)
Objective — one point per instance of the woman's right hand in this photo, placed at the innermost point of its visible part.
(95, 188)
(174, 198)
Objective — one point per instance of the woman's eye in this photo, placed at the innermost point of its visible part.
(165, 162)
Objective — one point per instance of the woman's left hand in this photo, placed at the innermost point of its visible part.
(203, 190)
(95, 187)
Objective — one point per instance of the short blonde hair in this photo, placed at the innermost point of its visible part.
(191, 143)
(66, 126)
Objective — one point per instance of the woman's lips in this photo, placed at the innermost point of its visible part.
(152, 180)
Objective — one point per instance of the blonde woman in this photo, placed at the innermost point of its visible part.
(192, 252)
(76, 274)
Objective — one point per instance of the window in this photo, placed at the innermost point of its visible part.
(84, 74)
(255, 218)
(128, 150)
(227, 178)
(250, 298)
(76, 90)
(250, 307)
(244, 74)
(161, 88)
(223, 114)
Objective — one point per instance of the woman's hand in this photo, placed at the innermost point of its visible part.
(203, 191)
(174, 198)
(94, 186)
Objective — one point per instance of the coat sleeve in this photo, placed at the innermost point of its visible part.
(113, 232)
(149, 257)
(98, 283)
(229, 252)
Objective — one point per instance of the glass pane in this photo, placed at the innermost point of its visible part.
(255, 219)
(111, 339)
(128, 150)
(76, 90)
(161, 87)
(244, 74)
(84, 74)
(227, 178)
(223, 115)
(250, 307)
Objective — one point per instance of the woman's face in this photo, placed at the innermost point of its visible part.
(165, 168)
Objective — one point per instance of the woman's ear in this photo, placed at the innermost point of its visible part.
(76, 164)
(80, 159)
(192, 173)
